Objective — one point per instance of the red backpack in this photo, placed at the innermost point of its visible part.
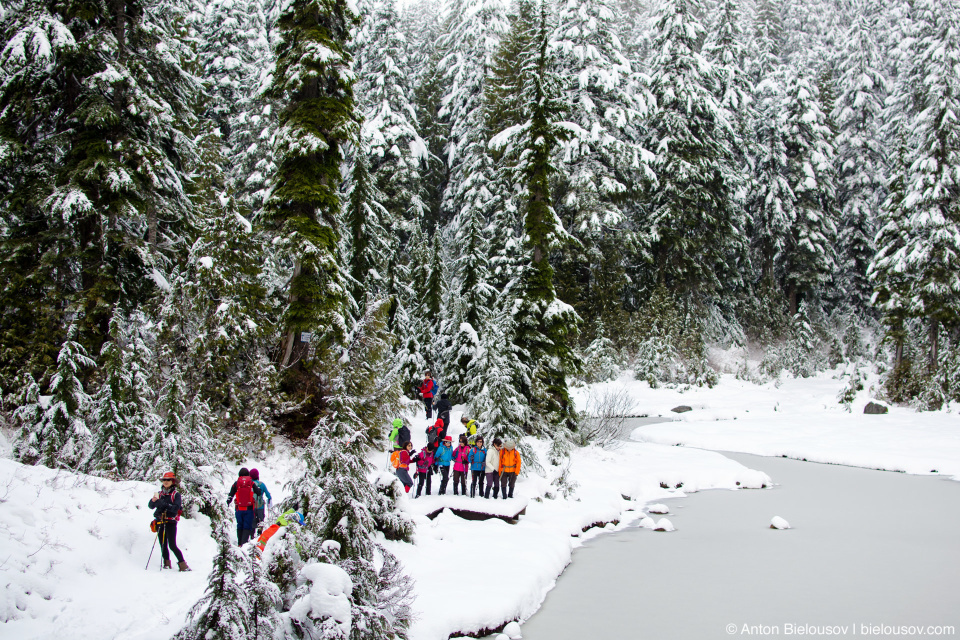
(244, 493)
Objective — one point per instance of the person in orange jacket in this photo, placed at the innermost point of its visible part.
(509, 467)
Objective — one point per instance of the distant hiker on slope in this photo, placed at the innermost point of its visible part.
(264, 499)
(443, 408)
(427, 388)
(167, 504)
(245, 491)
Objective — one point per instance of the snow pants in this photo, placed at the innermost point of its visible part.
(246, 521)
(444, 478)
(459, 480)
(507, 479)
(167, 532)
(405, 478)
(493, 482)
(421, 478)
(476, 476)
(428, 404)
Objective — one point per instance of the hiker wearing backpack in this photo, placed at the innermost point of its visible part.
(424, 467)
(167, 505)
(403, 465)
(469, 429)
(461, 465)
(443, 408)
(492, 468)
(399, 433)
(263, 500)
(427, 388)
(442, 458)
(478, 460)
(509, 468)
(435, 433)
(245, 491)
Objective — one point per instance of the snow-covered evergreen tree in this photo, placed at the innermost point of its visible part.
(101, 179)
(694, 226)
(27, 415)
(335, 494)
(918, 273)
(371, 235)
(395, 150)
(314, 84)
(809, 254)
(61, 437)
(861, 159)
(546, 327)
(225, 611)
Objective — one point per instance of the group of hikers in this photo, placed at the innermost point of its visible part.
(251, 500)
(490, 470)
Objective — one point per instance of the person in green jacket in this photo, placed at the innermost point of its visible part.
(399, 433)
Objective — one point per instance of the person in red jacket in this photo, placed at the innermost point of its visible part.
(403, 471)
(427, 389)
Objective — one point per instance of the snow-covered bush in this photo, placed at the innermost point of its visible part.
(605, 415)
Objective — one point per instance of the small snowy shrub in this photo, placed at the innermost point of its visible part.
(605, 415)
(854, 386)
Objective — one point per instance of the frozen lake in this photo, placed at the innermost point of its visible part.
(867, 548)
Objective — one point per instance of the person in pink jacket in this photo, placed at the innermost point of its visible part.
(461, 465)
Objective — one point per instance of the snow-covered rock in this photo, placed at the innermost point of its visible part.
(512, 631)
(647, 523)
(658, 508)
(779, 523)
(664, 525)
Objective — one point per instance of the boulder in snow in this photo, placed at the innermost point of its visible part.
(664, 525)
(647, 523)
(875, 408)
(658, 508)
(512, 631)
(682, 409)
(779, 523)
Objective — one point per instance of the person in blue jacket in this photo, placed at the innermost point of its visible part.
(478, 459)
(442, 458)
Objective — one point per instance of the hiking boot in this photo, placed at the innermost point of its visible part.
(183, 566)
(166, 565)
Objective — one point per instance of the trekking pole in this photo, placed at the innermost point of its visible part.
(151, 550)
(163, 522)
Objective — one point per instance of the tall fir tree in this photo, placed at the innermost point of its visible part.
(546, 327)
(314, 84)
(694, 229)
(862, 163)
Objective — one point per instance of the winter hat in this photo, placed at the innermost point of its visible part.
(397, 422)
(448, 439)
(169, 475)
(443, 396)
(244, 472)
(509, 444)
(254, 474)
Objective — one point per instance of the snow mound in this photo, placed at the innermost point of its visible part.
(512, 631)
(658, 508)
(647, 523)
(664, 525)
(779, 523)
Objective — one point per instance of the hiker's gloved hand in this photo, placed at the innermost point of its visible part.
(228, 502)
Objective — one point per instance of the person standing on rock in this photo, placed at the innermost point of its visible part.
(167, 505)
(509, 468)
